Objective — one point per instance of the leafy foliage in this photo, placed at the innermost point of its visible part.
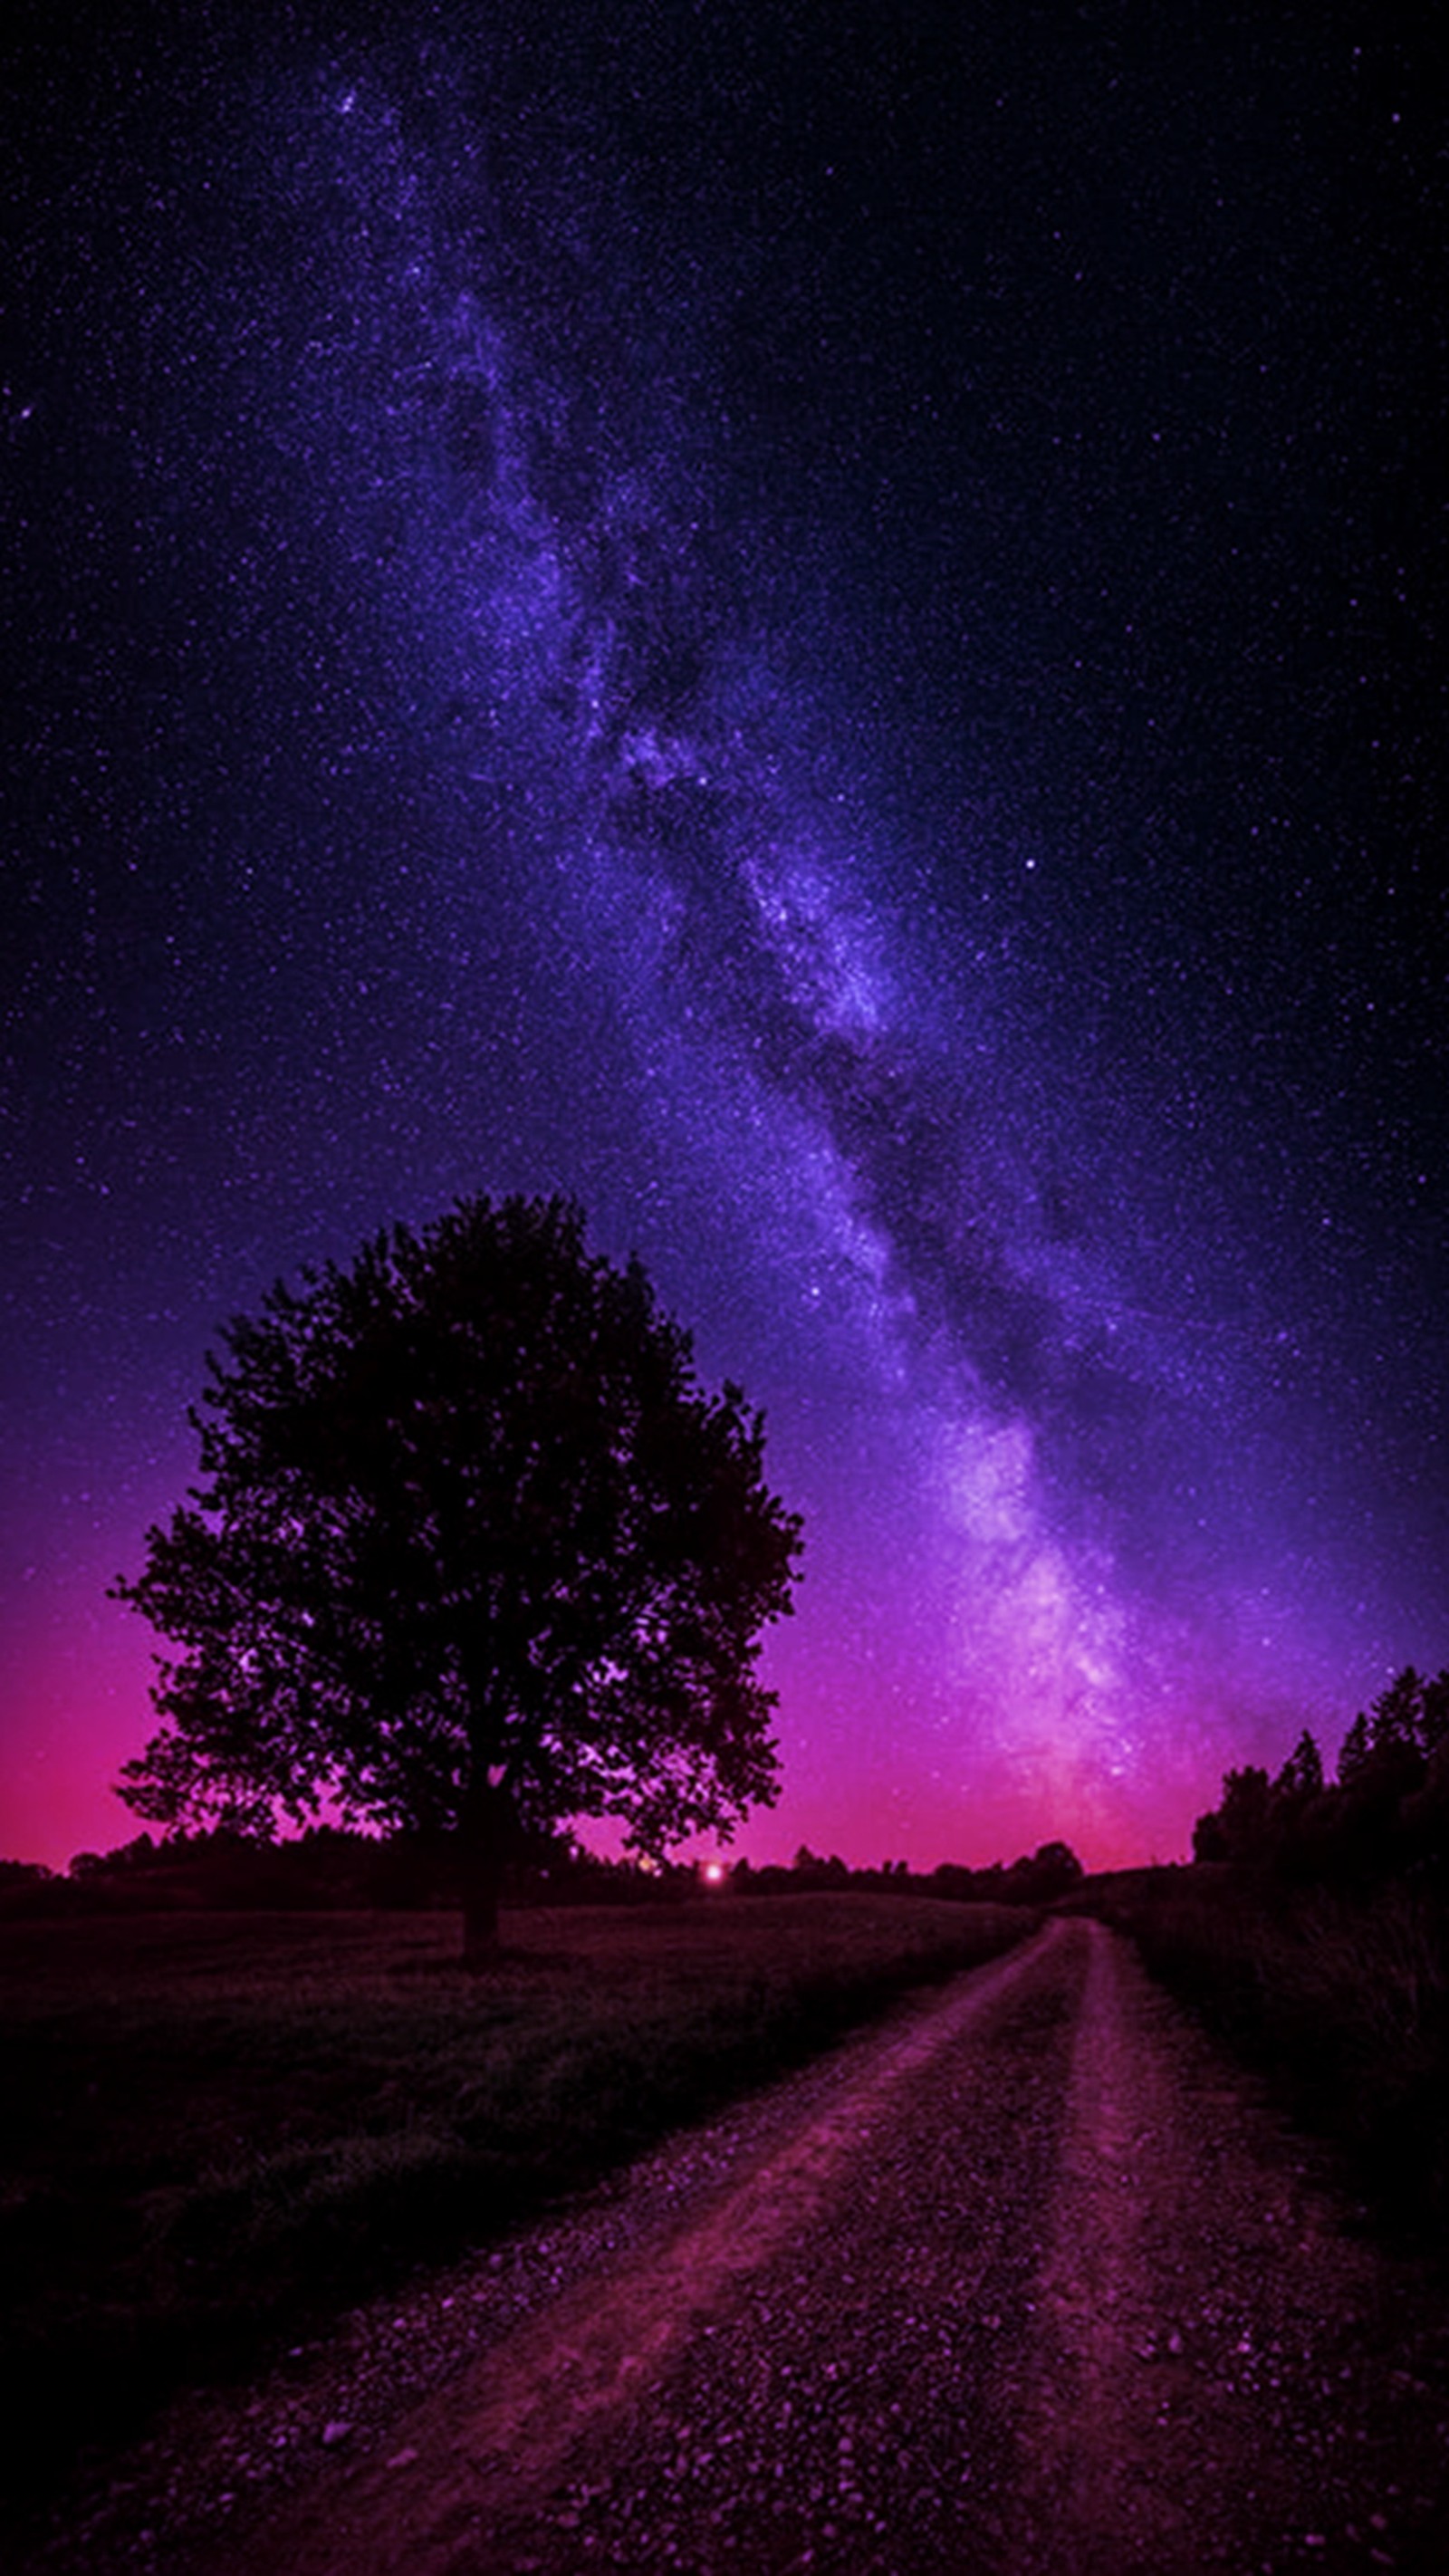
(472, 1547)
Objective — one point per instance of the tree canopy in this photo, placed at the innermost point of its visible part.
(472, 1548)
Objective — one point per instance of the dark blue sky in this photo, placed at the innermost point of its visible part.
(828, 634)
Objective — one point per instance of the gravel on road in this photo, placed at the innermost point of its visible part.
(1024, 2281)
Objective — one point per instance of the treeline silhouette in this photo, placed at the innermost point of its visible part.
(1385, 1815)
(326, 1868)
(1312, 1935)
(1036, 1878)
(332, 1867)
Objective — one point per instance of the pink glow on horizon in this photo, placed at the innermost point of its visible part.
(881, 1758)
(76, 1714)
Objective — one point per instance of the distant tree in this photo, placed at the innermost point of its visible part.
(1353, 1753)
(1209, 1842)
(1301, 1777)
(1412, 1711)
(472, 1549)
(1052, 1870)
(1245, 1812)
(1394, 1715)
(1058, 1863)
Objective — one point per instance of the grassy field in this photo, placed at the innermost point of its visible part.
(218, 2129)
(1341, 2001)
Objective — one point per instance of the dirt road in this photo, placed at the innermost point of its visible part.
(1024, 2281)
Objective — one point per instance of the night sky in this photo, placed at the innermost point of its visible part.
(820, 626)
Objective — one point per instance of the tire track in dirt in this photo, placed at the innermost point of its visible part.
(1219, 2373)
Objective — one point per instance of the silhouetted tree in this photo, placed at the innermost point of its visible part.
(1245, 1812)
(1301, 1777)
(473, 1549)
(1412, 1712)
(1052, 1870)
(1353, 1752)
(1209, 1842)
(1394, 1715)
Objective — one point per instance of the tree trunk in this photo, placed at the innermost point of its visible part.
(487, 1818)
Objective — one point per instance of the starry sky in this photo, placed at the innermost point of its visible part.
(820, 626)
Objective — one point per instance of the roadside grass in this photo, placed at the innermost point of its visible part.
(218, 2130)
(1341, 2000)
